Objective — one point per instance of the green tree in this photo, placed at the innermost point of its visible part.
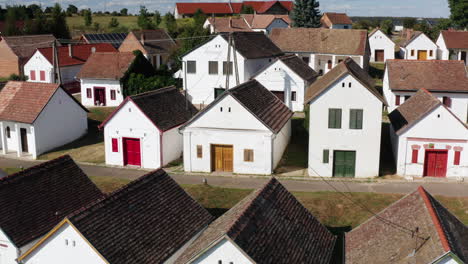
(144, 21)
(96, 26)
(72, 9)
(387, 27)
(157, 18)
(199, 18)
(409, 22)
(48, 10)
(171, 24)
(306, 13)
(124, 12)
(10, 23)
(362, 24)
(113, 23)
(33, 8)
(88, 18)
(459, 13)
(247, 9)
(58, 25)
(424, 28)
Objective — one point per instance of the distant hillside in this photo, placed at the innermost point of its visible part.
(395, 20)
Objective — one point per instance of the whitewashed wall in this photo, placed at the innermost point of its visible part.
(55, 249)
(438, 127)
(8, 251)
(422, 42)
(280, 142)
(172, 145)
(223, 252)
(365, 141)
(60, 122)
(319, 62)
(12, 142)
(38, 63)
(442, 51)
(130, 122)
(279, 77)
(108, 85)
(380, 41)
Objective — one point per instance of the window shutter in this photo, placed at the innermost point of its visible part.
(338, 118)
(88, 93)
(42, 75)
(213, 67)
(248, 155)
(359, 117)
(191, 67)
(225, 70)
(334, 118)
(112, 94)
(397, 100)
(326, 155)
(456, 158)
(115, 145)
(199, 151)
(32, 75)
(414, 156)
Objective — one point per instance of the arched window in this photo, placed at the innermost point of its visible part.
(8, 132)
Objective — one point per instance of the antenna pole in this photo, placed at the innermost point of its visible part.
(228, 66)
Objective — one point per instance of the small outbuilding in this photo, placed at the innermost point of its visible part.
(417, 46)
(382, 46)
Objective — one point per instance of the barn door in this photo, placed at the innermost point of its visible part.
(222, 158)
(344, 163)
(379, 55)
(24, 140)
(100, 96)
(435, 163)
(131, 151)
(422, 54)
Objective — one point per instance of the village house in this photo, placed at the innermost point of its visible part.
(415, 229)
(183, 10)
(245, 130)
(382, 46)
(428, 139)
(36, 199)
(453, 45)
(446, 80)
(115, 39)
(287, 77)
(40, 67)
(144, 130)
(267, 226)
(322, 48)
(417, 46)
(150, 220)
(247, 22)
(345, 123)
(102, 77)
(204, 68)
(16, 50)
(156, 45)
(336, 21)
(37, 117)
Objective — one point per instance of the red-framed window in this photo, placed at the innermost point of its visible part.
(88, 93)
(115, 145)
(397, 100)
(456, 158)
(42, 75)
(32, 75)
(414, 156)
(112, 94)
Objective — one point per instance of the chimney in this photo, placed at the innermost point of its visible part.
(409, 32)
(142, 38)
(70, 51)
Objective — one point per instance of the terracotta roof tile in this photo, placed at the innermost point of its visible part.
(336, 19)
(229, 8)
(259, 21)
(455, 39)
(254, 45)
(270, 226)
(146, 221)
(321, 40)
(25, 46)
(411, 35)
(80, 53)
(433, 75)
(36, 199)
(300, 67)
(229, 24)
(156, 40)
(106, 65)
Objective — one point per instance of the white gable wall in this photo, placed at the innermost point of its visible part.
(108, 85)
(279, 77)
(422, 42)
(8, 251)
(280, 142)
(130, 122)
(12, 143)
(365, 141)
(38, 63)
(380, 41)
(225, 252)
(172, 145)
(56, 249)
(442, 52)
(440, 128)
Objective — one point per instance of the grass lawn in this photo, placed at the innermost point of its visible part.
(295, 156)
(77, 22)
(89, 148)
(10, 170)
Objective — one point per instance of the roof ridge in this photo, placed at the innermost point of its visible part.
(153, 92)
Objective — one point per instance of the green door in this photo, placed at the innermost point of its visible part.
(344, 163)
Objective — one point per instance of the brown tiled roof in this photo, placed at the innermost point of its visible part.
(415, 229)
(229, 24)
(433, 75)
(455, 39)
(106, 65)
(270, 226)
(254, 45)
(165, 107)
(34, 200)
(263, 21)
(336, 19)
(24, 101)
(300, 67)
(146, 221)
(156, 40)
(348, 66)
(25, 46)
(321, 40)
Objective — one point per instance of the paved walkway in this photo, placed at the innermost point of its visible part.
(453, 189)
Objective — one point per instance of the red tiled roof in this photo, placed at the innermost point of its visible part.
(263, 6)
(80, 53)
(263, 21)
(106, 65)
(229, 8)
(336, 19)
(455, 39)
(229, 24)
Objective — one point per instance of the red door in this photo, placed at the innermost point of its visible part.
(131, 151)
(435, 163)
(100, 96)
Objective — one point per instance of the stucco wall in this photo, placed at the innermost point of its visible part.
(12, 142)
(365, 141)
(280, 142)
(223, 252)
(172, 145)
(420, 43)
(379, 41)
(8, 251)
(108, 85)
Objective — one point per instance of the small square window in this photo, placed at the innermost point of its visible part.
(191, 67)
(225, 69)
(412, 52)
(326, 155)
(199, 151)
(42, 75)
(88, 93)
(248, 155)
(115, 145)
(112, 94)
(343, 85)
(293, 96)
(431, 53)
(212, 67)
(32, 75)
(349, 85)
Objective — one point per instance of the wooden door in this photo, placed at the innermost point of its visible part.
(24, 140)
(422, 54)
(132, 151)
(435, 163)
(379, 55)
(344, 163)
(329, 64)
(463, 56)
(279, 94)
(222, 158)
(100, 96)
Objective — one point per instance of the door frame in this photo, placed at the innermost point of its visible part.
(334, 160)
(97, 88)
(426, 152)
(124, 151)
(421, 51)
(213, 156)
(378, 51)
(24, 144)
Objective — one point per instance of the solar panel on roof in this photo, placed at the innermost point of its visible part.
(115, 39)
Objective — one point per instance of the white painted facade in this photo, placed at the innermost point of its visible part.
(8, 251)
(279, 77)
(438, 128)
(420, 44)
(239, 128)
(443, 53)
(224, 251)
(459, 101)
(131, 122)
(365, 142)
(380, 41)
(38, 63)
(108, 85)
(61, 121)
(201, 85)
(323, 63)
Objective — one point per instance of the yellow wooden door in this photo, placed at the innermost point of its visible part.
(422, 54)
(222, 158)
